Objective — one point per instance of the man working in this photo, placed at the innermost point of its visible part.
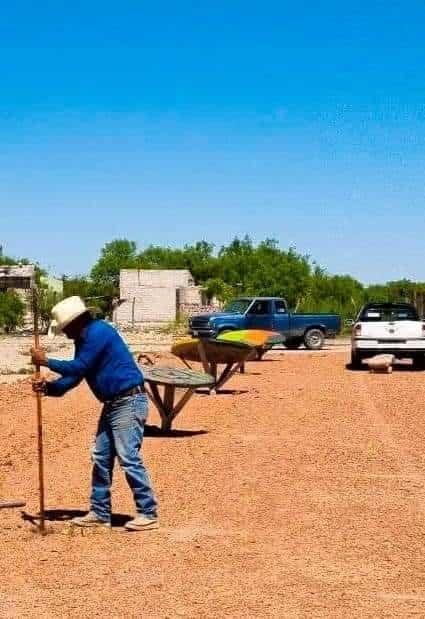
(104, 360)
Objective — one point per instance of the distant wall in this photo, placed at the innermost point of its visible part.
(192, 310)
(193, 300)
(157, 296)
(150, 305)
(150, 296)
(131, 280)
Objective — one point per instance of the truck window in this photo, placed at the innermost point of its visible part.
(280, 307)
(260, 308)
(238, 306)
(388, 313)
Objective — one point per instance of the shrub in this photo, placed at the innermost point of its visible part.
(12, 310)
(47, 299)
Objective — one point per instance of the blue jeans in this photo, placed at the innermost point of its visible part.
(120, 434)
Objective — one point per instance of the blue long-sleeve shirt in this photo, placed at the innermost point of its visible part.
(103, 359)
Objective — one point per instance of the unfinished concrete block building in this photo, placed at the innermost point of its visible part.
(153, 297)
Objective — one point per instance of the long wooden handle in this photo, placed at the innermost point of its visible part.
(12, 504)
(39, 420)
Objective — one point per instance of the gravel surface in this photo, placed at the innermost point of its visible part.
(15, 354)
(301, 494)
(15, 361)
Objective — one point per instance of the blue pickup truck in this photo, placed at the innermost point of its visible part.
(270, 313)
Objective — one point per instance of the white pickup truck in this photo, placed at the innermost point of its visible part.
(393, 328)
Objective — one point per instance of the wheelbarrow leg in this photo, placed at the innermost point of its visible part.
(171, 415)
(165, 406)
(204, 359)
(227, 375)
(168, 406)
(155, 397)
(222, 379)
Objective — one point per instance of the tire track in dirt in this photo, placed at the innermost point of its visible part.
(410, 469)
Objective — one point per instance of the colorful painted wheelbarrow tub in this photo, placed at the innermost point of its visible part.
(254, 337)
(217, 352)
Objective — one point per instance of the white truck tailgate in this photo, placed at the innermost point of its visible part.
(400, 330)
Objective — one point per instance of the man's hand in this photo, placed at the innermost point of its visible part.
(39, 384)
(38, 356)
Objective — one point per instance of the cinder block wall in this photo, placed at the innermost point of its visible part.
(190, 310)
(150, 306)
(131, 280)
(191, 295)
(157, 296)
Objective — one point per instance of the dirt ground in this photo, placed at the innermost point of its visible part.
(299, 495)
(15, 362)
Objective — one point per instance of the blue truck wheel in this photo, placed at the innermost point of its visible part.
(314, 339)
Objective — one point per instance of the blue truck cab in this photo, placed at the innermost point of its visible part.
(272, 314)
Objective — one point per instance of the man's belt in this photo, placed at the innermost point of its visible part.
(127, 394)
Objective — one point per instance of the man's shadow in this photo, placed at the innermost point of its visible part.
(66, 515)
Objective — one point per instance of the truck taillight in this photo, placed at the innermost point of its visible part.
(358, 330)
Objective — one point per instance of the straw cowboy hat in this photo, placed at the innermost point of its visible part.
(65, 312)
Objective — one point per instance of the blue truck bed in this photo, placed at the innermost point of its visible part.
(270, 313)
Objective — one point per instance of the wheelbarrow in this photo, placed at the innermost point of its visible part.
(212, 353)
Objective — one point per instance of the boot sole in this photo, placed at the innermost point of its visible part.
(94, 525)
(147, 527)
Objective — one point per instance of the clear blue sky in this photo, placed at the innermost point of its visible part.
(171, 122)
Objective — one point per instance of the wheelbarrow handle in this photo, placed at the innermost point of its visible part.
(12, 504)
(143, 356)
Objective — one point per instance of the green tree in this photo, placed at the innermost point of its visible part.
(401, 290)
(377, 293)
(216, 287)
(200, 260)
(242, 267)
(98, 296)
(12, 311)
(79, 286)
(340, 294)
(117, 255)
(7, 261)
(47, 299)
(265, 270)
(280, 273)
(235, 263)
